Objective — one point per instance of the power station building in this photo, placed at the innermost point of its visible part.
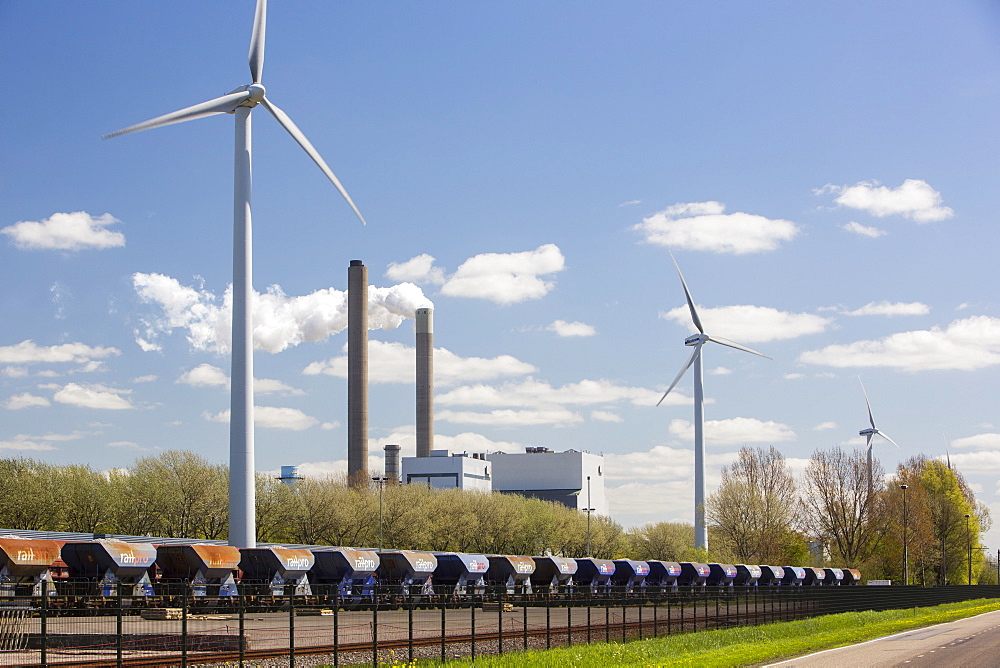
(572, 478)
(464, 471)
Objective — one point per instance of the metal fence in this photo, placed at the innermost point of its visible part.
(181, 628)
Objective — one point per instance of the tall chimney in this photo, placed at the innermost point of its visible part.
(392, 463)
(357, 374)
(425, 381)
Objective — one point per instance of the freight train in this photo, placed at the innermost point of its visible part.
(72, 567)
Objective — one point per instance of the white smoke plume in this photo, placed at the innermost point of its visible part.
(280, 321)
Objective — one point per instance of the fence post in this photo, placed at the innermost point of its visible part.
(499, 623)
(624, 613)
(336, 622)
(548, 623)
(118, 624)
(524, 624)
(184, 625)
(443, 627)
(590, 603)
(291, 626)
(375, 633)
(607, 619)
(473, 631)
(44, 623)
(241, 605)
(409, 624)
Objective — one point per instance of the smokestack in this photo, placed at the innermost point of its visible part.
(357, 374)
(425, 381)
(392, 463)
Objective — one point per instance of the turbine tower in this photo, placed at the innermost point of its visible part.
(870, 434)
(698, 340)
(240, 102)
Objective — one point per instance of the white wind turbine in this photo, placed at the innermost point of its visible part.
(698, 340)
(870, 434)
(241, 101)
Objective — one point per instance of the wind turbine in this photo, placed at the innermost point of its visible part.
(240, 102)
(698, 340)
(870, 434)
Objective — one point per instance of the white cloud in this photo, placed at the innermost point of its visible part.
(631, 202)
(145, 379)
(506, 278)
(986, 462)
(557, 417)
(891, 309)
(606, 416)
(793, 376)
(751, 324)
(280, 321)
(393, 362)
(663, 463)
(532, 393)
(824, 426)
(914, 199)
(735, 431)
(979, 441)
(272, 417)
(26, 352)
(419, 269)
(14, 372)
(705, 226)
(966, 344)
(720, 371)
(24, 400)
(66, 231)
(126, 445)
(24, 443)
(205, 375)
(93, 396)
(563, 328)
(864, 230)
(39, 443)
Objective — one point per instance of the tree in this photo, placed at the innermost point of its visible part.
(840, 509)
(752, 508)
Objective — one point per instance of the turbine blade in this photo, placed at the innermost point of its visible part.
(886, 437)
(871, 418)
(256, 56)
(697, 349)
(687, 295)
(220, 105)
(733, 344)
(293, 130)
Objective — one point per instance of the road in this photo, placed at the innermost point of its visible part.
(974, 641)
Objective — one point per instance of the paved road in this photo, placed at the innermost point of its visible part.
(974, 641)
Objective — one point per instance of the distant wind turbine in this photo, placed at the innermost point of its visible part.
(870, 434)
(241, 101)
(698, 340)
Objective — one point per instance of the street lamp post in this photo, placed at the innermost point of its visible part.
(380, 481)
(906, 559)
(968, 534)
(589, 509)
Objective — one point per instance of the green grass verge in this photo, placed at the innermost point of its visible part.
(743, 646)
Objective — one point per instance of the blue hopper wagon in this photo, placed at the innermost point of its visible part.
(351, 573)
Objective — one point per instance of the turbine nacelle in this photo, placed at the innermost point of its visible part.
(695, 339)
(868, 432)
(256, 91)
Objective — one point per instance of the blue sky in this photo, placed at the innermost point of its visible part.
(824, 174)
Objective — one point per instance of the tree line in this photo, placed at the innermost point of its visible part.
(759, 514)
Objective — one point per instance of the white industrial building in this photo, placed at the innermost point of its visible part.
(461, 470)
(573, 478)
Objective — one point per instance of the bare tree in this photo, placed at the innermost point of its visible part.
(840, 509)
(752, 508)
